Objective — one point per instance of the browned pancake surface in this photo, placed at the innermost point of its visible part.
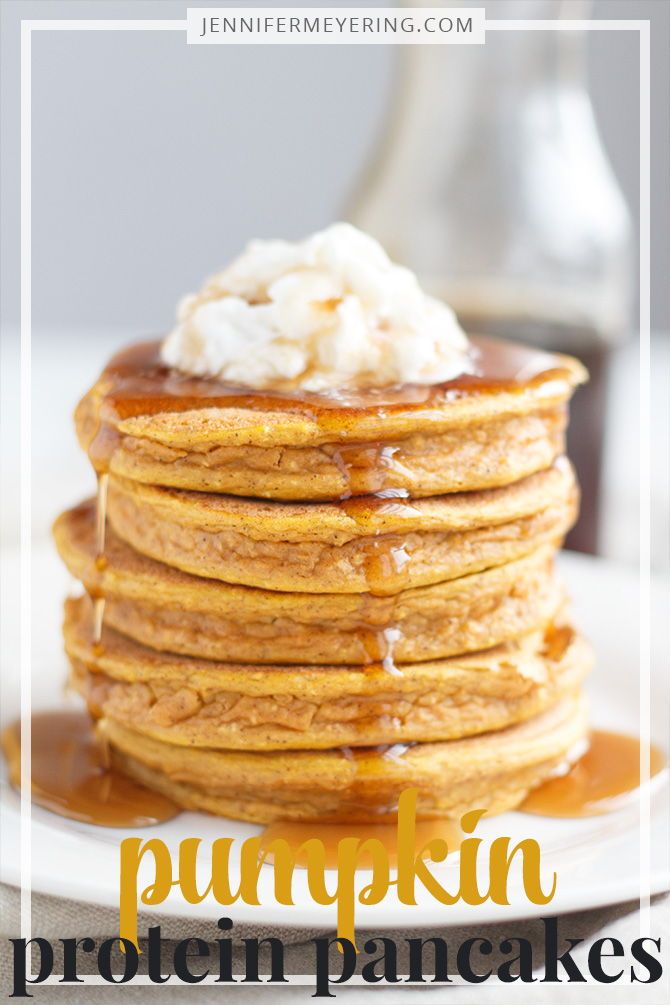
(170, 610)
(202, 703)
(367, 545)
(145, 422)
(494, 771)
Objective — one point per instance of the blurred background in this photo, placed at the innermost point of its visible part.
(506, 175)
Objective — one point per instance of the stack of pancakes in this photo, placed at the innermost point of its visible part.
(312, 603)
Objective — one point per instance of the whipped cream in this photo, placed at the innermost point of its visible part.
(328, 312)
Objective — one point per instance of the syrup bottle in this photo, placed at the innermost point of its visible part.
(494, 187)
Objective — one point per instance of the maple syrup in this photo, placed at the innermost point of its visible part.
(100, 558)
(364, 756)
(98, 618)
(101, 522)
(602, 779)
(72, 776)
(378, 648)
(390, 637)
(137, 383)
(385, 562)
(366, 467)
(385, 556)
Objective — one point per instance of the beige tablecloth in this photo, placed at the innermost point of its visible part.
(54, 918)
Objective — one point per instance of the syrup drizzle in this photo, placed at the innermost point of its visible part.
(364, 755)
(385, 556)
(136, 383)
(369, 469)
(390, 637)
(100, 557)
(101, 521)
(72, 775)
(385, 566)
(98, 618)
(603, 779)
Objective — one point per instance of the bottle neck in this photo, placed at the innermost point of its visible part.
(492, 183)
(511, 63)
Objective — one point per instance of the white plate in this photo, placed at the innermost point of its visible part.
(596, 859)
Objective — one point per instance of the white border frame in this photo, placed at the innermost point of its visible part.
(642, 27)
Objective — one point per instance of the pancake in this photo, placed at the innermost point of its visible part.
(145, 422)
(501, 452)
(495, 770)
(367, 545)
(167, 609)
(184, 701)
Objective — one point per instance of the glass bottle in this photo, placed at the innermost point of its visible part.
(492, 184)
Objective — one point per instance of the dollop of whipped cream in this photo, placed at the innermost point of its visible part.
(328, 312)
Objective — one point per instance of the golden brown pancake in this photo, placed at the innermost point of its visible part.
(185, 701)
(167, 609)
(495, 770)
(145, 422)
(368, 545)
(502, 451)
